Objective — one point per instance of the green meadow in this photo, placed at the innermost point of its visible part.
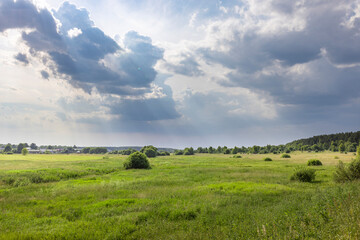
(205, 196)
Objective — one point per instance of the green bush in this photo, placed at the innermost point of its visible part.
(137, 160)
(150, 152)
(347, 173)
(285, 155)
(314, 162)
(303, 175)
(237, 156)
(267, 159)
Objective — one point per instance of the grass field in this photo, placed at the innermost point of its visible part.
(182, 197)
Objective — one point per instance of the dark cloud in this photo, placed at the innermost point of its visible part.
(311, 72)
(82, 59)
(23, 14)
(45, 74)
(22, 58)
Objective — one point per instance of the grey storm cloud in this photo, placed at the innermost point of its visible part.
(326, 50)
(79, 57)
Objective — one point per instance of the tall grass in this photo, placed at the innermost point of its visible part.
(181, 197)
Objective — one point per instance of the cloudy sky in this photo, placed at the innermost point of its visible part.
(178, 73)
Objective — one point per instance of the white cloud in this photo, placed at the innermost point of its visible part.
(74, 32)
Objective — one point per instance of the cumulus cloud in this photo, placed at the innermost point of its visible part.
(87, 58)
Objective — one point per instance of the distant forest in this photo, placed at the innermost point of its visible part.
(333, 142)
(339, 142)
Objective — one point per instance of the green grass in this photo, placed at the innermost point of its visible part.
(182, 197)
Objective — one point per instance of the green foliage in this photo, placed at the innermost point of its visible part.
(178, 152)
(24, 151)
(237, 156)
(20, 147)
(163, 153)
(285, 155)
(137, 160)
(188, 151)
(86, 150)
(98, 150)
(33, 146)
(267, 159)
(150, 151)
(314, 162)
(8, 148)
(347, 173)
(227, 151)
(303, 174)
(341, 147)
(358, 152)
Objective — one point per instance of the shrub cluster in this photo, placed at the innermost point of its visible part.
(137, 160)
(303, 174)
(314, 162)
(285, 155)
(267, 159)
(347, 173)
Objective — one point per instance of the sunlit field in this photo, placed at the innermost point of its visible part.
(206, 196)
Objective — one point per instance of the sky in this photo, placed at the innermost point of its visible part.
(178, 73)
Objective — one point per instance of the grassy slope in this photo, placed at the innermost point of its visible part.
(181, 197)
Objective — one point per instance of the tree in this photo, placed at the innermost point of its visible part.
(358, 152)
(86, 150)
(341, 147)
(20, 147)
(33, 146)
(8, 148)
(150, 151)
(24, 151)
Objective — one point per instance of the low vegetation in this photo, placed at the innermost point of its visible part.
(285, 155)
(303, 174)
(267, 159)
(203, 196)
(314, 162)
(347, 173)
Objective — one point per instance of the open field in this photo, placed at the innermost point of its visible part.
(182, 197)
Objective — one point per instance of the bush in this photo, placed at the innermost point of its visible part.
(150, 152)
(237, 156)
(267, 159)
(137, 160)
(178, 152)
(314, 162)
(349, 173)
(285, 155)
(303, 175)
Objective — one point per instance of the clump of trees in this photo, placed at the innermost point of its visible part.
(95, 150)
